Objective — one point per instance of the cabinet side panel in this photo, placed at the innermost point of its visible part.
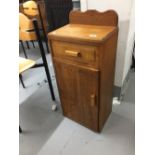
(107, 68)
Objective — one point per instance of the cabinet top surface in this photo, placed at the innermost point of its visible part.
(91, 33)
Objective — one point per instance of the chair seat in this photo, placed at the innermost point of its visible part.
(25, 64)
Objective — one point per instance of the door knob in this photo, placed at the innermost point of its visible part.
(93, 100)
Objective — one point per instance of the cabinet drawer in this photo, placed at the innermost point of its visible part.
(75, 52)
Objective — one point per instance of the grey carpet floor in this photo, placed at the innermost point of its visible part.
(36, 104)
(116, 138)
(37, 120)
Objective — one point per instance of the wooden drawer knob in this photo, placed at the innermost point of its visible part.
(72, 53)
(93, 100)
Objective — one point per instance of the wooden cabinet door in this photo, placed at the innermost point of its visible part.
(78, 88)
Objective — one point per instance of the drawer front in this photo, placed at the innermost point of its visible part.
(75, 52)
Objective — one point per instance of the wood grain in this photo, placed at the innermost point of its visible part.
(86, 83)
(30, 8)
(25, 25)
(76, 85)
(87, 33)
(88, 55)
(93, 17)
(25, 64)
(107, 69)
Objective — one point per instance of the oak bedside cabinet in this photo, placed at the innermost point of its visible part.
(83, 53)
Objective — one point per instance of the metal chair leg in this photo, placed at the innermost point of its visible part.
(48, 51)
(20, 129)
(27, 43)
(21, 79)
(33, 44)
(41, 20)
(23, 49)
(44, 58)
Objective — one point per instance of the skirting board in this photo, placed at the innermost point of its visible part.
(117, 91)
